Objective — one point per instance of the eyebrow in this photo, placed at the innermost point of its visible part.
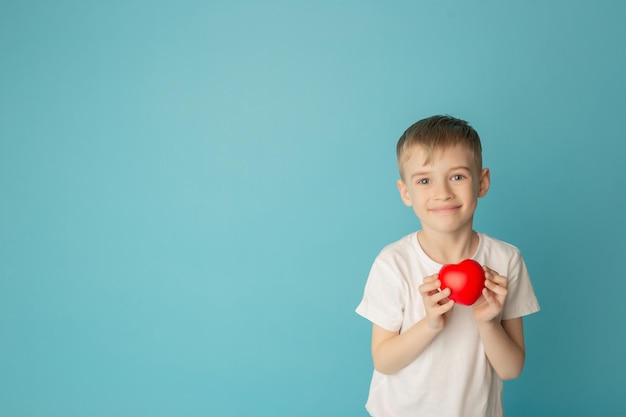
(420, 173)
(461, 167)
(457, 168)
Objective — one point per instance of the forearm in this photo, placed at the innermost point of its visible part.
(505, 355)
(394, 353)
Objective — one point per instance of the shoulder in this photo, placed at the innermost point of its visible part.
(507, 260)
(399, 250)
(499, 255)
(399, 260)
(499, 247)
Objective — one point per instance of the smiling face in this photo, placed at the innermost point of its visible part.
(443, 187)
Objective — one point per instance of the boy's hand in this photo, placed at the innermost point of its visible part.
(491, 303)
(436, 302)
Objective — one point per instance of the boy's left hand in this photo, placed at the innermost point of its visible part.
(491, 303)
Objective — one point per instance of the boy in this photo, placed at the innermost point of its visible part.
(432, 357)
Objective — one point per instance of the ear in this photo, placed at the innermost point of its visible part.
(484, 182)
(404, 193)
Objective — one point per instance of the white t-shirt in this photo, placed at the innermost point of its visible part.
(452, 377)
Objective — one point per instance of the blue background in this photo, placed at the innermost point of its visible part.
(192, 194)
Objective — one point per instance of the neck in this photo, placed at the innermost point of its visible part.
(445, 248)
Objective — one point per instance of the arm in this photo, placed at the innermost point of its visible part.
(503, 340)
(392, 351)
(504, 346)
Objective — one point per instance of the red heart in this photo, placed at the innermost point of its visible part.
(466, 281)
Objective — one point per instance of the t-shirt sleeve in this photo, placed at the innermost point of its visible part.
(383, 300)
(521, 300)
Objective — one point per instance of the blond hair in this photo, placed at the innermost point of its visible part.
(439, 133)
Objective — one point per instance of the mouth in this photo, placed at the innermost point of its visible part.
(445, 209)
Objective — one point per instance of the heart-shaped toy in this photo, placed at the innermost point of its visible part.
(466, 281)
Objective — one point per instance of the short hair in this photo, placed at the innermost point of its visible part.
(437, 133)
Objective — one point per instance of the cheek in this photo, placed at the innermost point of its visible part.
(475, 187)
(469, 193)
(420, 199)
(415, 193)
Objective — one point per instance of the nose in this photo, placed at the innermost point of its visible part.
(443, 192)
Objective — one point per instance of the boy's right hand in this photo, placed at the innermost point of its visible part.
(436, 303)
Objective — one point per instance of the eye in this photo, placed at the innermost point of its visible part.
(458, 177)
(423, 181)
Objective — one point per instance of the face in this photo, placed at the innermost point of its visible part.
(443, 192)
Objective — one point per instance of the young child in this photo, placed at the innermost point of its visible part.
(432, 357)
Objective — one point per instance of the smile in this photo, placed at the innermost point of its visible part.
(445, 210)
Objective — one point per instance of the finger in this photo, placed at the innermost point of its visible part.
(431, 278)
(497, 286)
(501, 281)
(429, 288)
(489, 270)
(496, 302)
(433, 298)
(442, 309)
(490, 297)
(441, 296)
(498, 279)
(496, 290)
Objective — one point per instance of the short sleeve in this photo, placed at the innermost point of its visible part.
(521, 300)
(383, 300)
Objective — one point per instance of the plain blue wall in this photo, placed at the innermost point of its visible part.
(192, 194)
